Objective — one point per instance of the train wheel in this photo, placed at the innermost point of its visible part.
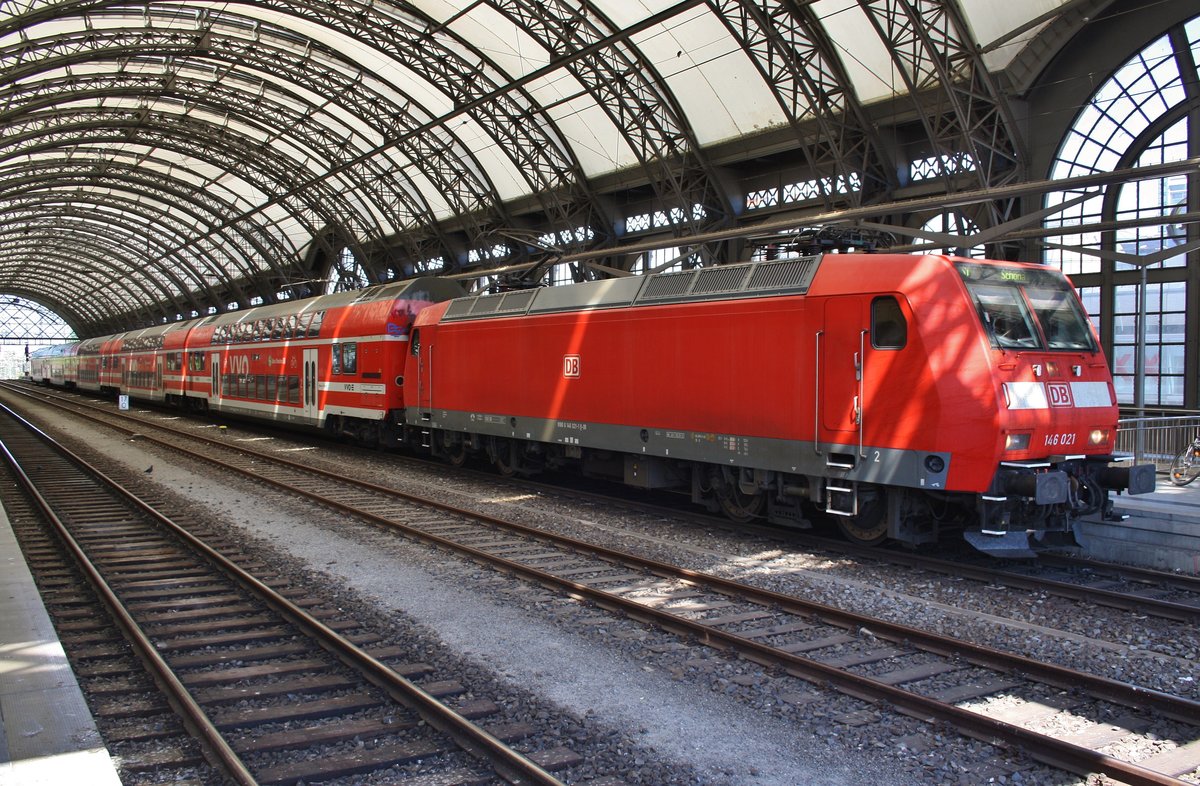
(368, 436)
(869, 527)
(456, 453)
(505, 456)
(735, 503)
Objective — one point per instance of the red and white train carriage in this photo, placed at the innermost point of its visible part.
(327, 362)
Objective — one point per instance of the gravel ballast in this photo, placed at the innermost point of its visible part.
(658, 704)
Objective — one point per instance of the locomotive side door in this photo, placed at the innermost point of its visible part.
(424, 352)
(845, 348)
(308, 394)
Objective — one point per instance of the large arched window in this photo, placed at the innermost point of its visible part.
(1145, 113)
(347, 274)
(27, 326)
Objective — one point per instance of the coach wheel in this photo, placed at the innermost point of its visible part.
(869, 527)
(368, 436)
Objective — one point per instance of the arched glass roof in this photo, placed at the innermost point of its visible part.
(169, 158)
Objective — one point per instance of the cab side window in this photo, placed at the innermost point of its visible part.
(889, 328)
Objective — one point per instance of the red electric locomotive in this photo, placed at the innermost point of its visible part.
(897, 393)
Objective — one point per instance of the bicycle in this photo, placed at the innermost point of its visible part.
(1186, 466)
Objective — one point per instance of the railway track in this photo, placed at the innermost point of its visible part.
(922, 674)
(272, 687)
(1141, 591)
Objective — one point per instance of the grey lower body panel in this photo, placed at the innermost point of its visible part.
(883, 466)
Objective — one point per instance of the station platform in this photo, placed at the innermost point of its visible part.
(47, 735)
(1162, 530)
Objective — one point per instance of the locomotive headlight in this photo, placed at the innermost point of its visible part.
(1098, 436)
(1016, 442)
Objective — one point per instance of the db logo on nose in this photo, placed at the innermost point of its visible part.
(571, 366)
(1059, 394)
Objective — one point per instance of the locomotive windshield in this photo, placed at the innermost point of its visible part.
(1027, 309)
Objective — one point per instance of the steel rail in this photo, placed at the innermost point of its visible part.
(1179, 581)
(216, 749)
(1053, 751)
(514, 767)
(1180, 612)
(1165, 609)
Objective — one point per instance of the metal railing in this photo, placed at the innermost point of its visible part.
(1157, 439)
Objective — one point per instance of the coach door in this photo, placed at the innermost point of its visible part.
(311, 406)
(844, 358)
(214, 365)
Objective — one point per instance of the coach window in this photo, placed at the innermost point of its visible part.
(350, 358)
(889, 328)
(314, 327)
(336, 352)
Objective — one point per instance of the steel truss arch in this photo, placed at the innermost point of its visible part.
(269, 172)
(123, 195)
(137, 225)
(94, 302)
(801, 66)
(61, 310)
(520, 128)
(89, 47)
(442, 159)
(630, 91)
(957, 99)
(33, 321)
(155, 231)
(253, 248)
(314, 140)
(48, 267)
(107, 247)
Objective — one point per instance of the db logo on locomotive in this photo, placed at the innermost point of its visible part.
(1059, 394)
(571, 366)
